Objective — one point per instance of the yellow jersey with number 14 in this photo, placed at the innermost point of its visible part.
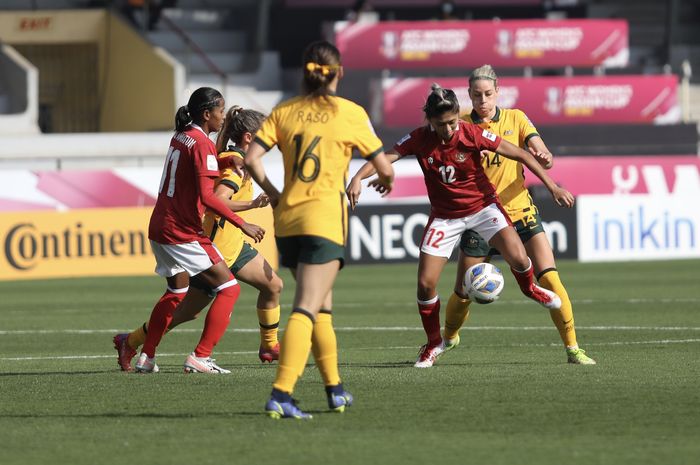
(316, 137)
(508, 176)
(227, 237)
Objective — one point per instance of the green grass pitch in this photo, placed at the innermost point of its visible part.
(505, 396)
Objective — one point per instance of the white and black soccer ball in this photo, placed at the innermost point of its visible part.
(483, 283)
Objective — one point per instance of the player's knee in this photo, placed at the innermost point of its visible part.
(275, 286)
(230, 288)
(426, 286)
(520, 261)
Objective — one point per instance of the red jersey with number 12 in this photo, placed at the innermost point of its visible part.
(177, 216)
(456, 182)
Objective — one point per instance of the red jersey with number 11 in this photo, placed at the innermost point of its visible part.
(177, 216)
(456, 182)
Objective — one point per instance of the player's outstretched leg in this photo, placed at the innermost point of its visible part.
(430, 316)
(564, 318)
(544, 297)
(215, 324)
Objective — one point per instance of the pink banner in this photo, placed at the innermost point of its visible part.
(407, 3)
(468, 44)
(660, 175)
(549, 100)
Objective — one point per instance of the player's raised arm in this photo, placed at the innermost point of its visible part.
(370, 168)
(561, 196)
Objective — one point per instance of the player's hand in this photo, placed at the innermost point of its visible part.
(260, 201)
(353, 192)
(562, 197)
(253, 231)
(383, 186)
(485, 154)
(234, 163)
(543, 158)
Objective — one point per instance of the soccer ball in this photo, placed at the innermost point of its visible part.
(483, 283)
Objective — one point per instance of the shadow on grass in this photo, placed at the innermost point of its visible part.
(154, 415)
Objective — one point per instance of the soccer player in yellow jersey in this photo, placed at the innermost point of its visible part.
(508, 178)
(246, 264)
(316, 133)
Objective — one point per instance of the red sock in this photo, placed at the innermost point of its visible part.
(217, 319)
(430, 316)
(161, 316)
(524, 279)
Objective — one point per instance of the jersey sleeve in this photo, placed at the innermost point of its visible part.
(405, 146)
(364, 137)
(526, 130)
(205, 162)
(267, 134)
(228, 177)
(483, 138)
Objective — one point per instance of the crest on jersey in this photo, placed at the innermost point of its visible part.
(430, 160)
(508, 132)
(460, 157)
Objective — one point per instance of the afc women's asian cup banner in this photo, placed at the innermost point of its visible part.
(550, 100)
(468, 44)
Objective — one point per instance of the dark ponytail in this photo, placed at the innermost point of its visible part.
(182, 118)
(320, 64)
(238, 121)
(202, 99)
(440, 101)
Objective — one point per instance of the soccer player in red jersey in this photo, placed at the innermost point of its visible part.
(180, 247)
(461, 197)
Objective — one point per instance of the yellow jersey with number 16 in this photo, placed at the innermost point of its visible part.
(508, 176)
(316, 137)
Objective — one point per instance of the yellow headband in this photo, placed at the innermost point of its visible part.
(324, 69)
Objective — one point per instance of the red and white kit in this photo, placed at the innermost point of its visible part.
(461, 195)
(175, 229)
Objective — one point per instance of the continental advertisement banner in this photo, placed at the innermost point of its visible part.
(84, 242)
(89, 242)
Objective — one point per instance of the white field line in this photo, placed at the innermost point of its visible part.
(11, 332)
(670, 300)
(250, 352)
(499, 303)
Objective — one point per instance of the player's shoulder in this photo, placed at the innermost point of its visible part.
(416, 136)
(468, 127)
(349, 110)
(513, 114)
